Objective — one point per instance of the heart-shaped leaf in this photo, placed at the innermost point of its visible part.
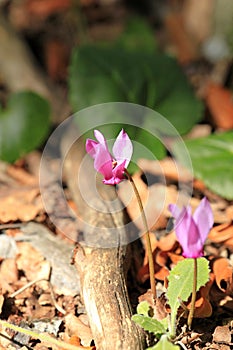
(211, 158)
(24, 123)
(101, 74)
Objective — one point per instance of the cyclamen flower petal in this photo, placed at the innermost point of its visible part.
(192, 231)
(112, 169)
(203, 218)
(123, 148)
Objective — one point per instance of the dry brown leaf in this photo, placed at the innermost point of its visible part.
(222, 334)
(21, 175)
(220, 103)
(45, 8)
(221, 233)
(32, 263)
(223, 273)
(198, 19)
(161, 271)
(203, 306)
(19, 204)
(74, 326)
(155, 199)
(1, 302)
(167, 168)
(9, 271)
(175, 258)
(167, 243)
(57, 57)
(186, 49)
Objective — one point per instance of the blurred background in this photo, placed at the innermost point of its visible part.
(174, 56)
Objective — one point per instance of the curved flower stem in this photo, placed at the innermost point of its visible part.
(194, 292)
(147, 236)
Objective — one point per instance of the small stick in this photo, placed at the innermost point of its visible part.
(42, 337)
(28, 285)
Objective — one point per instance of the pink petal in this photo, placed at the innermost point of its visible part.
(175, 210)
(118, 171)
(100, 137)
(188, 234)
(91, 147)
(123, 148)
(103, 161)
(203, 218)
(194, 248)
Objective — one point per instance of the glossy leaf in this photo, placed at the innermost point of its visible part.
(212, 161)
(100, 74)
(24, 123)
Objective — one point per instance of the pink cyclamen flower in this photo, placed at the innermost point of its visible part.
(192, 230)
(111, 167)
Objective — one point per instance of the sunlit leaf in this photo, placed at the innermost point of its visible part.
(181, 282)
(149, 324)
(212, 161)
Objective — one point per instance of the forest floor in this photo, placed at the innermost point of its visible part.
(39, 286)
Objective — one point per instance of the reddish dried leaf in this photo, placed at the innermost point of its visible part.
(221, 233)
(155, 199)
(186, 49)
(75, 340)
(223, 273)
(229, 212)
(167, 242)
(45, 8)
(203, 306)
(161, 271)
(175, 258)
(57, 57)
(220, 103)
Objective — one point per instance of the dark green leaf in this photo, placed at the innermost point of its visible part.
(212, 158)
(24, 123)
(100, 74)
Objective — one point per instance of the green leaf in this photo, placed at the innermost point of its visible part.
(164, 344)
(100, 74)
(143, 308)
(181, 283)
(149, 324)
(24, 124)
(212, 161)
(138, 34)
